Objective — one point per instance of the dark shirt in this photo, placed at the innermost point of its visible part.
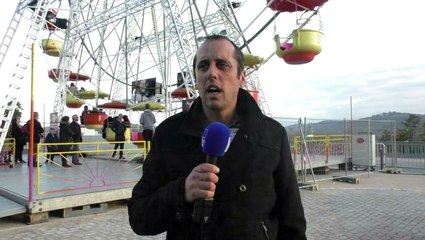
(76, 128)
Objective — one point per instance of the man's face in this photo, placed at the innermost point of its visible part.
(217, 76)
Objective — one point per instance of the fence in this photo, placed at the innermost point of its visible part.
(407, 156)
(348, 148)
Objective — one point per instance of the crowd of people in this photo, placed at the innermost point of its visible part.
(69, 131)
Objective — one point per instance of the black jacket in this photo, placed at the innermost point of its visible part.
(257, 195)
(65, 136)
(119, 130)
(38, 130)
(76, 128)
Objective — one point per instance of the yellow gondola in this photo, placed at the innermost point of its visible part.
(306, 44)
(73, 102)
(141, 106)
(89, 94)
(252, 60)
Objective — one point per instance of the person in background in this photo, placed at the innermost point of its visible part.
(38, 135)
(253, 187)
(147, 123)
(52, 137)
(77, 138)
(106, 124)
(20, 139)
(85, 111)
(126, 121)
(65, 136)
(119, 127)
(73, 89)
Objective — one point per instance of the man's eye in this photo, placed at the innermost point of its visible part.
(202, 66)
(221, 65)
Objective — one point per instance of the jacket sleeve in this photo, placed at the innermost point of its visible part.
(38, 127)
(292, 224)
(156, 203)
(141, 119)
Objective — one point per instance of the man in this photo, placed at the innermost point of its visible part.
(119, 127)
(20, 139)
(147, 122)
(38, 134)
(254, 184)
(76, 138)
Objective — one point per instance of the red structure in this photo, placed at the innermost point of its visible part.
(295, 5)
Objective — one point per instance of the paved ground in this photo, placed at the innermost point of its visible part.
(382, 206)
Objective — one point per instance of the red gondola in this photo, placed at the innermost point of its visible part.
(179, 93)
(73, 76)
(114, 105)
(295, 5)
(94, 120)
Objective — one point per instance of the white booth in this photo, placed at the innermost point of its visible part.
(363, 150)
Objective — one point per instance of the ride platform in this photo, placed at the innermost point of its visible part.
(80, 188)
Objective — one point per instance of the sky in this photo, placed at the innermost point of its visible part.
(372, 52)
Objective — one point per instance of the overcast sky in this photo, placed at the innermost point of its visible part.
(372, 51)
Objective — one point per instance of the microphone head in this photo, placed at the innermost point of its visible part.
(216, 139)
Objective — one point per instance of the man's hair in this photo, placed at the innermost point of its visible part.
(65, 119)
(147, 106)
(237, 53)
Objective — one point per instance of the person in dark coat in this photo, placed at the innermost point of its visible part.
(65, 136)
(52, 138)
(119, 127)
(77, 138)
(20, 139)
(253, 187)
(38, 135)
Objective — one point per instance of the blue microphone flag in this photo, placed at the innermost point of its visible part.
(216, 139)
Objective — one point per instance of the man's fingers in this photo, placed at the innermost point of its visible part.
(201, 182)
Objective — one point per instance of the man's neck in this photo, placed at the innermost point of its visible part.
(223, 117)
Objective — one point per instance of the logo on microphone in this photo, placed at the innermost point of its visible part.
(216, 139)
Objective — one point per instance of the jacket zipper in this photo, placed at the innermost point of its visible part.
(266, 232)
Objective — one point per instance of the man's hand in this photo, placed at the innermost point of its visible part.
(201, 182)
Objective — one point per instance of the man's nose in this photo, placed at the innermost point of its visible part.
(212, 72)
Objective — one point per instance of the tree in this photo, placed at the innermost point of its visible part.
(18, 110)
(409, 132)
(386, 136)
(422, 133)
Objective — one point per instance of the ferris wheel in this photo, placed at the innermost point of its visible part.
(122, 54)
(132, 52)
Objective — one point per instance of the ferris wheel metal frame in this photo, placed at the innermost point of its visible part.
(170, 39)
(117, 42)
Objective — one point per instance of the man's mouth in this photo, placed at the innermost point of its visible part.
(213, 89)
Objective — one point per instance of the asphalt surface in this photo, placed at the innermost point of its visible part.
(382, 206)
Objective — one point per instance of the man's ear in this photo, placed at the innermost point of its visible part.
(242, 79)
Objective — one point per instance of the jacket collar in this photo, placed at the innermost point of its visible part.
(250, 117)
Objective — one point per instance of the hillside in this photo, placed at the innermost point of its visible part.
(378, 123)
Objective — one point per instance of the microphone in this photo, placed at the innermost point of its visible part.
(215, 142)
